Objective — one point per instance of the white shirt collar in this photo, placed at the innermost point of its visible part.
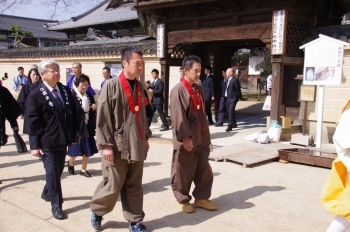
(50, 88)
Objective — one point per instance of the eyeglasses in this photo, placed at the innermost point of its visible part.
(53, 71)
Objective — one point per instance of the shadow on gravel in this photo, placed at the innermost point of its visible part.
(236, 200)
(22, 180)
(13, 153)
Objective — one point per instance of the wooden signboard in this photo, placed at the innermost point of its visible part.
(279, 31)
(307, 93)
(160, 40)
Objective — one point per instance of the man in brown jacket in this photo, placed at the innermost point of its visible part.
(122, 136)
(191, 140)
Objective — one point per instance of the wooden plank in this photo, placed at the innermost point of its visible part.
(251, 31)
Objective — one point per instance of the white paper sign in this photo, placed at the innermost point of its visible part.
(160, 40)
(278, 32)
(323, 63)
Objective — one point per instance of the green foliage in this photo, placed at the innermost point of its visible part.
(19, 35)
(265, 66)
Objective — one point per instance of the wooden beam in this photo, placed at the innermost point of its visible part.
(159, 4)
(277, 107)
(260, 31)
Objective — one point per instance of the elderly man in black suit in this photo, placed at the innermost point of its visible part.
(208, 88)
(233, 94)
(52, 125)
(157, 88)
(222, 106)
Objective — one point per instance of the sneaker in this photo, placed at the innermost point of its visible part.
(205, 204)
(137, 227)
(96, 221)
(186, 207)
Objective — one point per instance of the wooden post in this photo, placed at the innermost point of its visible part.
(164, 72)
(277, 108)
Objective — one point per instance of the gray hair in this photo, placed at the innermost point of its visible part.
(42, 67)
(79, 64)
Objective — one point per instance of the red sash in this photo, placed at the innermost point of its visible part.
(135, 109)
(196, 100)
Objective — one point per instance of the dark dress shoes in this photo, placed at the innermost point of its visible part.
(164, 128)
(0, 182)
(58, 213)
(45, 197)
(86, 174)
(228, 129)
(70, 168)
(4, 140)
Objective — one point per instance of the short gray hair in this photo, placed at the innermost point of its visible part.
(42, 67)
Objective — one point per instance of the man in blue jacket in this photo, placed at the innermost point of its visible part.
(76, 66)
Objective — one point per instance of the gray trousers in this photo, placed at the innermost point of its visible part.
(188, 167)
(124, 177)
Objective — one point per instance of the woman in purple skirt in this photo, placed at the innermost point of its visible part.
(86, 107)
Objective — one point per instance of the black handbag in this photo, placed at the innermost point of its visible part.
(20, 144)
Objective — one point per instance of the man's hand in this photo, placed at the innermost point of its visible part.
(15, 128)
(93, 107)
(188, 145)
(212, 98)
(150, 90)
(36, 152)
(108, 154)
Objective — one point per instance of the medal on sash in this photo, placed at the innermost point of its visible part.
(133, 108)
(196, 100)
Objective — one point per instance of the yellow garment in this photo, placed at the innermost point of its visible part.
(335, 196)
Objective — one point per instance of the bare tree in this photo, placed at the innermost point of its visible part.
(56, 7)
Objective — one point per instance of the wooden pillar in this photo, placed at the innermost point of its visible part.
(164, 73)
(277, 108)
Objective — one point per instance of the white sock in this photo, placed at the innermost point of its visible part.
(339, 224)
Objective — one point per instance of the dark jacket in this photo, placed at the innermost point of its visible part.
(24, 93)
(51, 126)
(208, 87)
(9, 109)
(158, 90)
(86, 130)
(233, 90)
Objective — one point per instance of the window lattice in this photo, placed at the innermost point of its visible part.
(296, 33)
(180, 51)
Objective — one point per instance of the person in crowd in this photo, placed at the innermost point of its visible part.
(106, 73)
(269, 84)
(33, 77)
(222, 106)
(157, 89)
(86, 112)
(191, 141)
(122, 136)
(233, 94)
(52, 126)
(19, 79)
(10, 112)
(77, 67)
(335, 193)
(208, 88)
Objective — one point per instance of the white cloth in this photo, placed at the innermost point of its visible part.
(84, 103)
(269, 82)
(228, 83)
(339, 224)
(341, 139)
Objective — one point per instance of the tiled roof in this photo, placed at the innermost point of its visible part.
(98, 15)
(341, 32)
(109, 47)
(34, 25)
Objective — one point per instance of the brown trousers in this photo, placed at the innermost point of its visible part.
(124, 177)
(187, 167)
